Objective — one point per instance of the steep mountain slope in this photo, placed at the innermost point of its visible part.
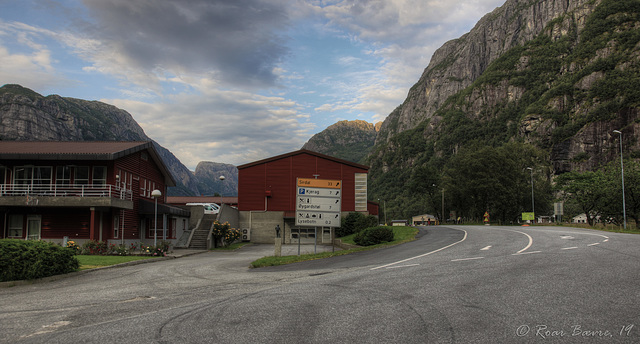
(208, 175)
(348, 140)
(558, 75)
(459, 62)
(27, 115)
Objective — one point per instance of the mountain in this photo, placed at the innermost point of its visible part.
(208, 175)
(556, 75)
(27, 115)
(348, 140)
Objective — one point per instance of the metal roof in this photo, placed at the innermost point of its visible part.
(304, 151)
(67, 150)
(80, 150)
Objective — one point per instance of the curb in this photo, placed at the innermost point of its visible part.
(10, 284)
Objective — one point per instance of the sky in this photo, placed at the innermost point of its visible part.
(230, 81)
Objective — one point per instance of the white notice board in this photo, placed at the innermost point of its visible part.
(318, 202)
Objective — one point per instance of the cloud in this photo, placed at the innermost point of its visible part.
(234, 41)
(403, 35)
(32, 66)
(224, 126)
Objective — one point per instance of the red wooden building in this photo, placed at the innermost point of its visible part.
(267, 193)
(85, 191)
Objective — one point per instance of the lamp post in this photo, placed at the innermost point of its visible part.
(442, 206)
(155, 194)
(221, 180)
(533, 206)
(624, 207)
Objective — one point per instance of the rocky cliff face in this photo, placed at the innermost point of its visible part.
(458, 63)
(208, 174)
(27, 115)
(555, 74)
(348, 140)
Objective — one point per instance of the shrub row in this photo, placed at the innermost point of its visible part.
(354, 223)
(27, 259)
(95, 247)
(373, 236)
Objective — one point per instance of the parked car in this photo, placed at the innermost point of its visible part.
(209, 208)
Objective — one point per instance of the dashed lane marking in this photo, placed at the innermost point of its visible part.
(463, 259)
(423, 255)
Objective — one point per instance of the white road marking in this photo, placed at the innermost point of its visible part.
(402, 266)
(528, 236)
(423, 255)
(486, 248)
(596, 243)
(519, 254)
(569, 248)
(48, 328)
(462, 259)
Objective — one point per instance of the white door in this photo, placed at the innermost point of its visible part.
(33, 227)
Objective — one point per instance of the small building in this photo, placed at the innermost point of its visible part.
(422, 220)
(85, 191)
(267, 195)
(398, 222)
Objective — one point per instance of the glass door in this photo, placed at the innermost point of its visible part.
(33, 227)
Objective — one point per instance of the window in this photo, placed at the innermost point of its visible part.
(361, 191)
(42, 175)
(63, 175)
(99, 175)
(82, 175)
(143, 188)
(116, 229)
(3, 174)
(30, 175)
(15, 226)
(23, 175)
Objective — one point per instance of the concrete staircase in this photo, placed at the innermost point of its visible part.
(201, 234)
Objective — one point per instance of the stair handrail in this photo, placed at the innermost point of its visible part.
(193, 231)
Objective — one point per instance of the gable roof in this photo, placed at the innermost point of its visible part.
(303, 151)
(80, 150)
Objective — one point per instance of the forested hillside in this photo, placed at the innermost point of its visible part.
(550, 103)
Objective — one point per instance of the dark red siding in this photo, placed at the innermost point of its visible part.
(279, 178)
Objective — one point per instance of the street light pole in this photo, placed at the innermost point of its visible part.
(624, 207)
(221, 180)
(155, 194)
(533, 205)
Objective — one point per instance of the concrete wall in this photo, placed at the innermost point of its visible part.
(263, 224)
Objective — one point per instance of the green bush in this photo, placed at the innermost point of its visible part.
(354, 223)
(374, 236)
(26, 260)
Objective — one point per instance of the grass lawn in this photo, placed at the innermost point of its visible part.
(92, 262)
(400, 235)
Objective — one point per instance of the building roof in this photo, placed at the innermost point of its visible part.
(303, 151)
(201, 199)
(69, 150)
(80, 150)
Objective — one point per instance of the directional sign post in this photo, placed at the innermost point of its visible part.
(318, 202)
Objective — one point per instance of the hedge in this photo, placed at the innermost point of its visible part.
(28, 259)
(374, 236)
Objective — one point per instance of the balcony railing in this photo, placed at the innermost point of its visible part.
(67, 190)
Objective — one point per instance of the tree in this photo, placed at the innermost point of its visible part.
(483, 178)
(589, 189)
(613, 206)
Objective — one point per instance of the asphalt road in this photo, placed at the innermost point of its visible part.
(455, 284)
